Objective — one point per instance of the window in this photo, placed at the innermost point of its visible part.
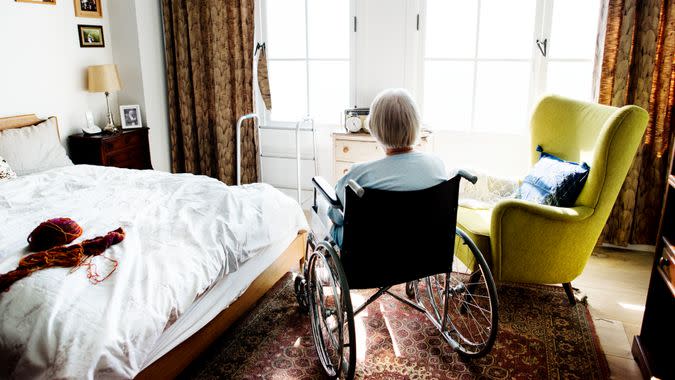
(482, 69)
(308, 52)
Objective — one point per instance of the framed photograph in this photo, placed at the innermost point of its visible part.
(131, 116)
(50, 2)
(91, 35)
(88, 8)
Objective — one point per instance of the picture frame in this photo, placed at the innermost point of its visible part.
(91, 36)
(88, 8)
(48, 2)
(130, 116)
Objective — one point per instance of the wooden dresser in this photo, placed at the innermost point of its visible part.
(351, 148)
(129, 149)
(654, 348)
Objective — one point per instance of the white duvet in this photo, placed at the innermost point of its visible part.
(183, 233)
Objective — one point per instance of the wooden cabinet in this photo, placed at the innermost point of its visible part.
(351, 148)
(653, 348)
(129, 149)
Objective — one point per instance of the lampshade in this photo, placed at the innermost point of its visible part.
(103, 78)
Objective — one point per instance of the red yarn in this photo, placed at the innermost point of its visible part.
(53, 233)
(75, 255)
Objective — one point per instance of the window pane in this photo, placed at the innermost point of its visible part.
(289, 90)
(448, 90)
(328, 28)
(571, 79)
(285, 28)
(328, 90)
(574, 28)
(506, 29)
(451, 28)
(502, 90)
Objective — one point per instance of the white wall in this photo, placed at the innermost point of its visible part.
(139, 54)
(43, 67)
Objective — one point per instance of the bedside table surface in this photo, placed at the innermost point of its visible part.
(104, 136)
(128, 149)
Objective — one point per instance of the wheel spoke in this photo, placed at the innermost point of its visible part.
(467, 314)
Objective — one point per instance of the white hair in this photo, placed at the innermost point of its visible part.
(394, 119)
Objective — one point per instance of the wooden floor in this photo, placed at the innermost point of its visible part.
(616, 282)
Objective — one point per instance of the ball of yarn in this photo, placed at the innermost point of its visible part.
(53, 233)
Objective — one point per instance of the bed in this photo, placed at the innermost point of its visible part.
(197, 255)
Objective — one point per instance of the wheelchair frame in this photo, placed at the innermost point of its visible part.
(339, 358)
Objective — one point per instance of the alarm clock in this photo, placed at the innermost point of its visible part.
(356, 120)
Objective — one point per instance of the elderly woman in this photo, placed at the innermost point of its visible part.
(395, 123)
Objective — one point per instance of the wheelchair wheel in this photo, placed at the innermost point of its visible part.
(463, 303)
(331, 313)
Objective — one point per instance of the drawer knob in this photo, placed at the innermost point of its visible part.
(664, 262)
(345, 149)
(344, 171)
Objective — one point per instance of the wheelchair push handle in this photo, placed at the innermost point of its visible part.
(358, 190)
(466, 175)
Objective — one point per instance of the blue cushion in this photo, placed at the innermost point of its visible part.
(553, 181)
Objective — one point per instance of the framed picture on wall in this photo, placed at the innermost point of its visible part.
(88, 8)
(50, 2)
(91, 35)
(131, 116)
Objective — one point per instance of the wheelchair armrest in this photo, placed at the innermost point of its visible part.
(467, 176)
(327, 191)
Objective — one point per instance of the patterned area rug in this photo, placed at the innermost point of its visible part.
(540, 337)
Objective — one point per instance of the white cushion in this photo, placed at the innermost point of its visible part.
(6, 172)
(33, 149)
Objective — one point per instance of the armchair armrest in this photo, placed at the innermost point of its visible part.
(541, 244)
(563, 214)
(327, 191)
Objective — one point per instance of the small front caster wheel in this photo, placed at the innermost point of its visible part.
(300, 287)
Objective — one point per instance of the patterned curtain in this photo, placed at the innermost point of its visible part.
(637, 68)
(209, 57)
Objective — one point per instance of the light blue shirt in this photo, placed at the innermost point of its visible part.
(399, 172)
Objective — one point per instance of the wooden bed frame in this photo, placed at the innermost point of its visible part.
(173, 362)
(27, 120)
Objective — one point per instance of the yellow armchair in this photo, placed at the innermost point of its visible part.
(534, 243)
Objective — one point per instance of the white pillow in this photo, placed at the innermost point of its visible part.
(33, 149)
(6, 172)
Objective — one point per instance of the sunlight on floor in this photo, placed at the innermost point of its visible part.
(360, 328)
(394, 342)
(629, 306)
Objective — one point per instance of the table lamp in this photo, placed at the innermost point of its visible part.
(104, 78)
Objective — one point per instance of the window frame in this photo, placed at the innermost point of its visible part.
(538, 64)
(266, 115)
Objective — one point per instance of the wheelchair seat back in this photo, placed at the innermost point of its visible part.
(392, 237)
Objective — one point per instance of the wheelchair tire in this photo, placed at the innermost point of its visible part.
(331, 314)
(463, 303)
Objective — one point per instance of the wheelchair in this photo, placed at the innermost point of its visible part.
(391, 238)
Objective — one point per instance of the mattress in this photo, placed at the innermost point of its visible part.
(185, 236)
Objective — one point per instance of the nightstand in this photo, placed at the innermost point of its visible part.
(129, 149)
(351, 148)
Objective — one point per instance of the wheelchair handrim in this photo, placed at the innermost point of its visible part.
(343, 314)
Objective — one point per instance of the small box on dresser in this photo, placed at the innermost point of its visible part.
(129, 149)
